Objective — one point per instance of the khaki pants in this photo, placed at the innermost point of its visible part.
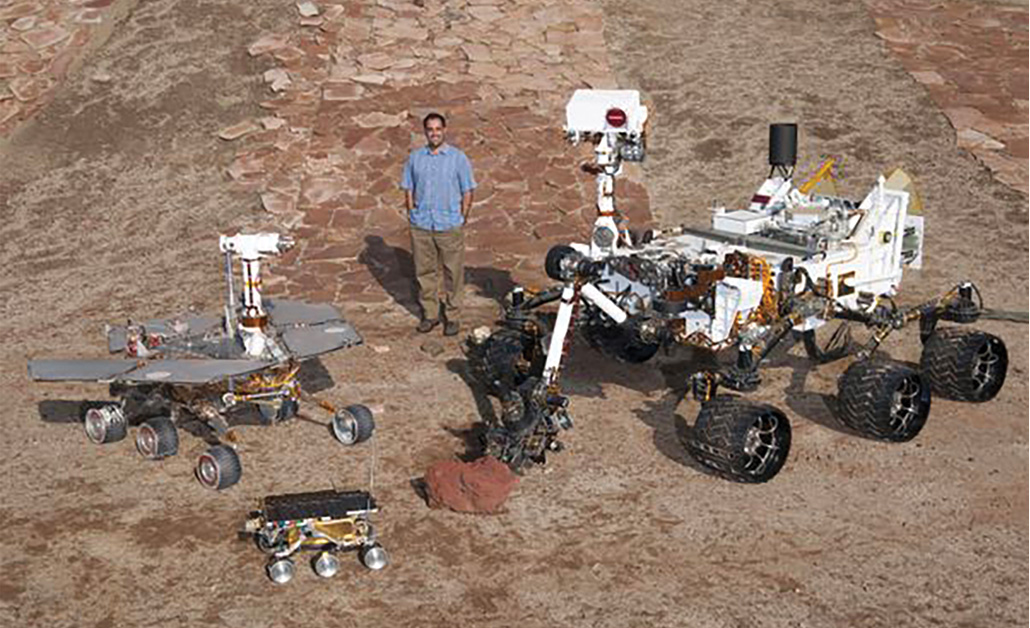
(432, 249)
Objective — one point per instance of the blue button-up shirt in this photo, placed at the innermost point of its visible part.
(438, 182)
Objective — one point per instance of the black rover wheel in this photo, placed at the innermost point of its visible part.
(505, 360)
(965, 365)
(883, 400)
(219, 468)
(354, 424)
(740, 440)
(157, 438)
(622, 341)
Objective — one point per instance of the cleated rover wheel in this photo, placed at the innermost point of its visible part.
(353, 425)
(740, 440)
(883, 400)
(219, 468)
(965, 365)
(105, 424)
(157, 438)
(505, 360)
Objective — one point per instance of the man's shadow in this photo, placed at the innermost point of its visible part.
(394, 268)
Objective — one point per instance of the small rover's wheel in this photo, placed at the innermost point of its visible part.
(280, 570)
(829, 342)
(964, 364)
(105, 424)
(740, 440)
(157, 438)
(353, 425)
(374, 557)
(219, 468)
(883, 400)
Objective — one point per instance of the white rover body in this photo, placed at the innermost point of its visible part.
(791, 262)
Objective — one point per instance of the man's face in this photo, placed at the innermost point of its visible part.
(435, 131)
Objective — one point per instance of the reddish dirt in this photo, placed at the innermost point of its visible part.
(110, 203)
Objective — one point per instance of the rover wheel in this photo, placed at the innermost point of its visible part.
(829, 342)
(104, 425)
(505, 360)
(353, 425)
(740, 440)
(883, 400)
(965, 365)
(157, 438)
(374, 557)
(555, 259)
(219, 468)
(622, 341)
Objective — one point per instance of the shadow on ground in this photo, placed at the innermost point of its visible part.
(394, 268)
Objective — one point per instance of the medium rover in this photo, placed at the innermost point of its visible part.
(202, 370)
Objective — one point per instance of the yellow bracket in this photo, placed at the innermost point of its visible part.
(825, 171)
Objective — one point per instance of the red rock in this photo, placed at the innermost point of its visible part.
(319, 190)
(371, 145)
(347, 220)
(481, 486)
(23, 23)
(8, 69)
(45, 37)
(8, 110)
(277, 203)
(238, 130)
(89, 16)
(26, 89)
(32, 66)
(342, 91)
(19, 10)
(268, 43)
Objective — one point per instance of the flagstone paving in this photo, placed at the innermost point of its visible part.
(40, 42)
(972, 59)
(347, 89)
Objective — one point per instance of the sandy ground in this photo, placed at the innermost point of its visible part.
(109, 202)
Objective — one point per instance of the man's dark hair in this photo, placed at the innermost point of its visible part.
(434, 116)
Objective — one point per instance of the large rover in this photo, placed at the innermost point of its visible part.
(794, 261)
(201, 370)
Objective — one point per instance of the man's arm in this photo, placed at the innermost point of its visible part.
(466, 205)
(409, 201)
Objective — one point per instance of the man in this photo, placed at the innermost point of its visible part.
(438, 185)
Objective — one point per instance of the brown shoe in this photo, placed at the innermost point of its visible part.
(450, 328)
(426, 325)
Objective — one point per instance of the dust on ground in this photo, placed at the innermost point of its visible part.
(109, 201)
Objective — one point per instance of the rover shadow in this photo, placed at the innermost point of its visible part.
(665, 416)
(819, 408)
(472, 437)
(314, 377)
(66, 410)
(394, 268)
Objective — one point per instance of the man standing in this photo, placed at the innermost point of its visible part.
(438, 186)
